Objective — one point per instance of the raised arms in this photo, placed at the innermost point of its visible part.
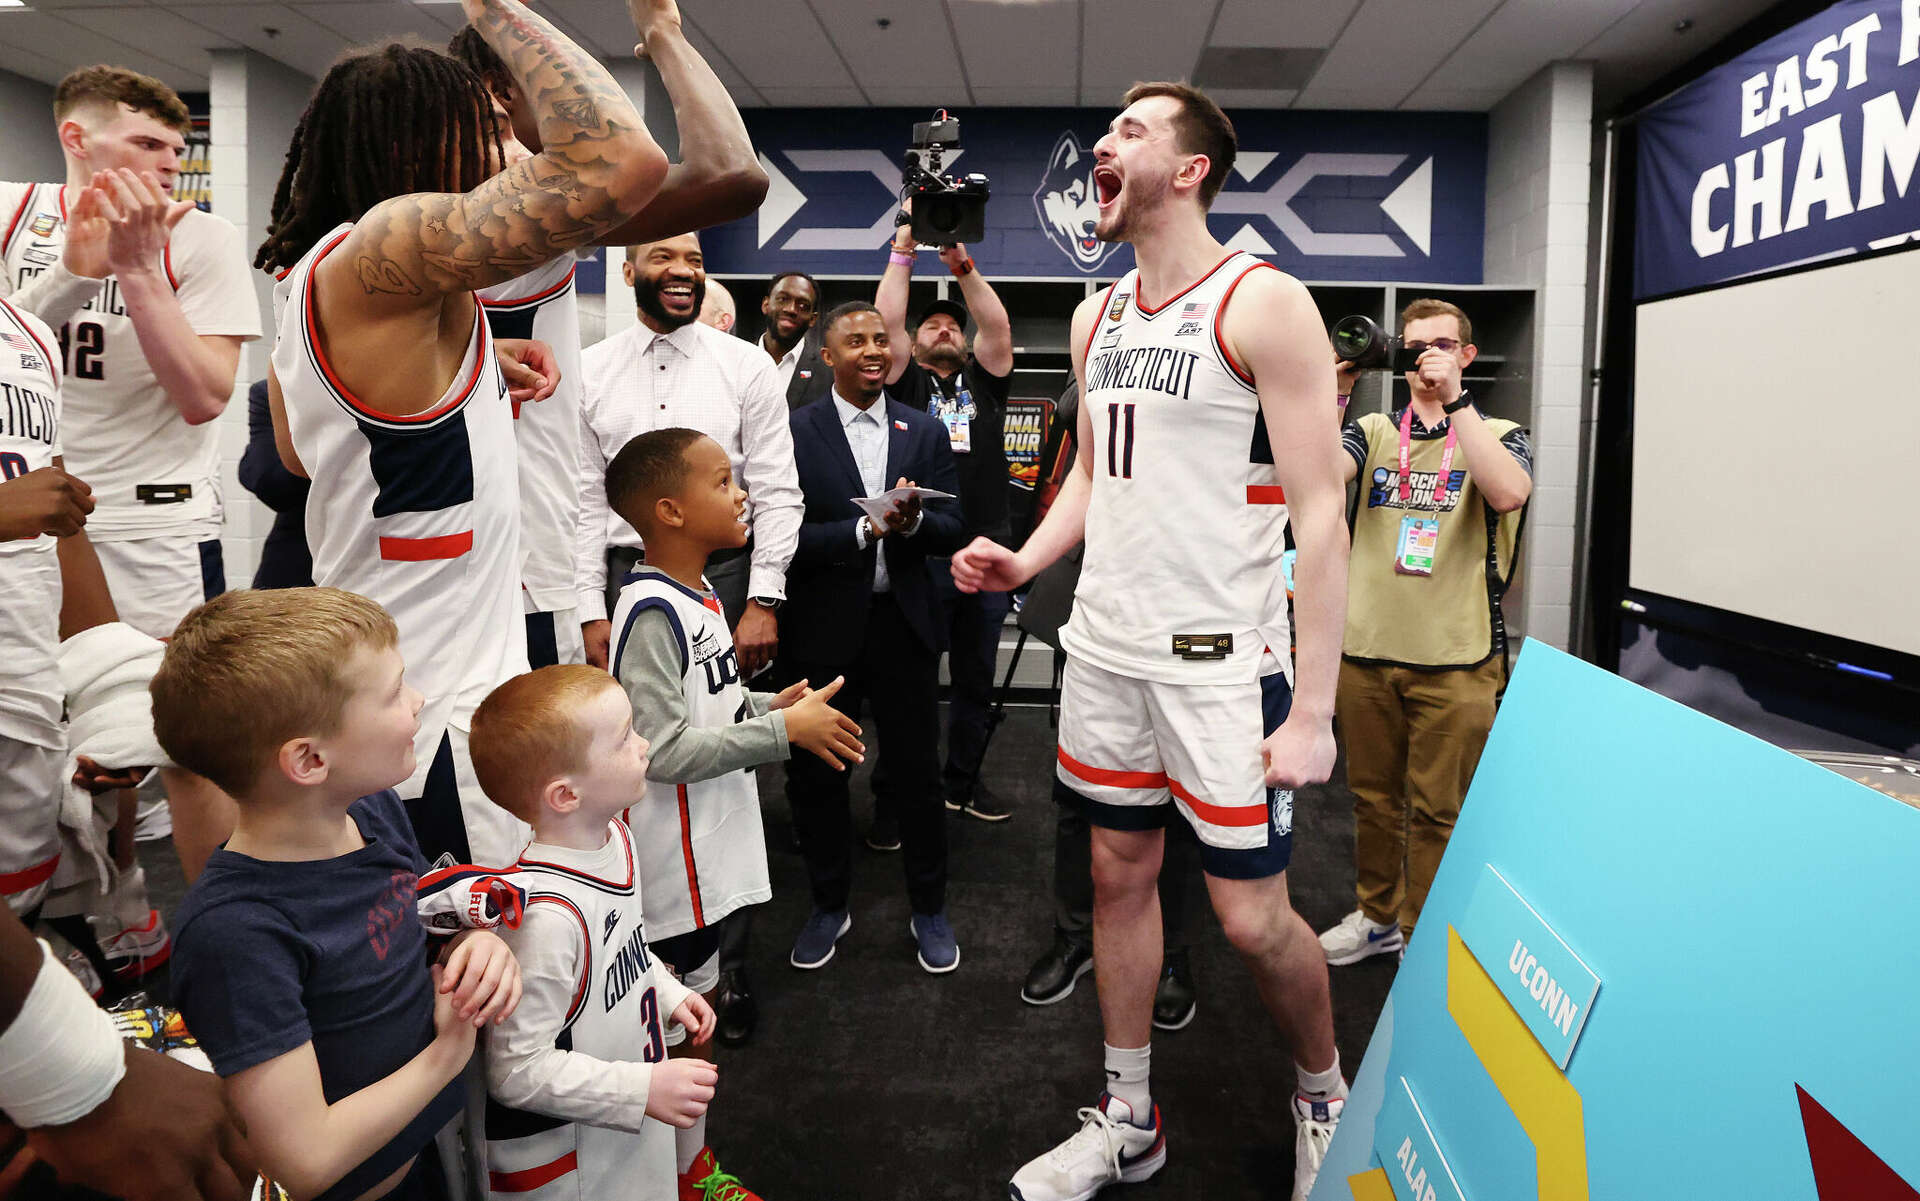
(718, 177)
(597, 167)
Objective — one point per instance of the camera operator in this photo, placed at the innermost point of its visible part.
(967, 391)
(1435, 534)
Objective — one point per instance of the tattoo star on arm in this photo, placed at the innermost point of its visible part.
(384, 275)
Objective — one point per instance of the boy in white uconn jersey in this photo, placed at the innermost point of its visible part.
(577, 1070)
(384, 387)
(717, 180)
(1205, 379)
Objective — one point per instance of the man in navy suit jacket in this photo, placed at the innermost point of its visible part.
(861, 604)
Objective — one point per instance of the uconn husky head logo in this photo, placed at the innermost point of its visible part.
(1068, 205)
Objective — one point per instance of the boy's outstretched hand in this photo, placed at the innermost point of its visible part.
(785, 698)
(696, 1017)
(681, 1090)
(482, 977)
(815, 725)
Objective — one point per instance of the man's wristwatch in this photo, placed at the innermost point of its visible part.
(1457, 405)
(770, 603)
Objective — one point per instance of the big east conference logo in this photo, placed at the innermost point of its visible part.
(1068, 205)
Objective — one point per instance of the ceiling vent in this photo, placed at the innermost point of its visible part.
(1265, 68)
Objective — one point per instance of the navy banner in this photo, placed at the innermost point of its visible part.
(1802, 148)
(1327, 196)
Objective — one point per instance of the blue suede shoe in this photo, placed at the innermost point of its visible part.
(934, 938)
(814, 946)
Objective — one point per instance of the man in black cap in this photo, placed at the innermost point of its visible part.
(966, 388)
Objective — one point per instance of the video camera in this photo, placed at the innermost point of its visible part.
(1360, 341)
(945, 210)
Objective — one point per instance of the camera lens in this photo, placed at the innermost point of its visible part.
(1354, 336)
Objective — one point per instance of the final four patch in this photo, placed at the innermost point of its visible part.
(43, 225)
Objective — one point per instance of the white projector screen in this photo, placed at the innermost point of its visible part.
(1776, 450)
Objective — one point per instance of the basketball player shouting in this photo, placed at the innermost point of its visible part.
(1206, 380)
(388, 218)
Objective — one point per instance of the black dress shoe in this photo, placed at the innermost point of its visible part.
(738, 1011)
(1174, 1002)
(884, 833)
(980, 804)
(1052, 976)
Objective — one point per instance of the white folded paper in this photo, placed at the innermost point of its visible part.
(894, 499)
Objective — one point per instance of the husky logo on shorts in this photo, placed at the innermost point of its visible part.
(1068, 205)
(1280, 804)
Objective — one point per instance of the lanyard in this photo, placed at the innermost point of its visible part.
(1406, 458)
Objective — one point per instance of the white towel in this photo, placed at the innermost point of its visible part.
(106, 671)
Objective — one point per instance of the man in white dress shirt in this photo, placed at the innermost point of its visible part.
(672, 370)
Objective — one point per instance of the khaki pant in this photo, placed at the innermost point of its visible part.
(1413, 739)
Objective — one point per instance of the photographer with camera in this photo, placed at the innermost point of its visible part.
(965, 388)
(1425, 654)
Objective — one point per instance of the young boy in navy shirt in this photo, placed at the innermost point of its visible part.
(299, 961)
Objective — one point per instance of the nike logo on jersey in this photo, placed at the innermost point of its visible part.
(613, 922)
(1145, 369)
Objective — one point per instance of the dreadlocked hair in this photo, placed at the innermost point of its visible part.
(472, 49)
(386, 121)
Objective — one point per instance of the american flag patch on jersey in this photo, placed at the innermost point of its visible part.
(1193, 311)
(11, 339)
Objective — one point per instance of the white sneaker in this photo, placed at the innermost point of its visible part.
(1356, 937)
(137, 950)
(1313, 1125)
(84, 973)
(1109, 1148)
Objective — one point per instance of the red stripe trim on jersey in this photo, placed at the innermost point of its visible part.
(686, 850)
(339, 387)
(60, 197)
(586, 944)
(30, 877)
(528, 1179)
(1100, 319)
(1220, 815)
(1153, 310)
(51, 359)
(1266, 494)
(1220, 323)
(166, 261)
(555, 290)
(626, 836)
(1112, 779)
(422, 550)
(26, 202)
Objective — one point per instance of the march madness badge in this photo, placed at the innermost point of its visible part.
(43, 225)
(1068, 205)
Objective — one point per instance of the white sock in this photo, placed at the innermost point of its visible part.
(688, 1143)
(1322, 1086)
(1127, 1080)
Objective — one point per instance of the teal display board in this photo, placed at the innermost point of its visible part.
(1661, 959)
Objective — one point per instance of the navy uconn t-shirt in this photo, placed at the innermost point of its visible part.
(270, 955)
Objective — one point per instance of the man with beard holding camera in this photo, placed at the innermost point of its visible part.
(966, 389)
(1443, 491)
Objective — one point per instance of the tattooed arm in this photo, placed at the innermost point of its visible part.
(719, 178)
(597, 167)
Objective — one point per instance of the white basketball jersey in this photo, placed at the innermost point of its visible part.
(1186, 523)
(543, 304)
(703, 853)
(420, 513)
(615, 1016)
(150, 471)
(31, 696)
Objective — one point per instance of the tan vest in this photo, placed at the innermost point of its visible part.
(1451, 618)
